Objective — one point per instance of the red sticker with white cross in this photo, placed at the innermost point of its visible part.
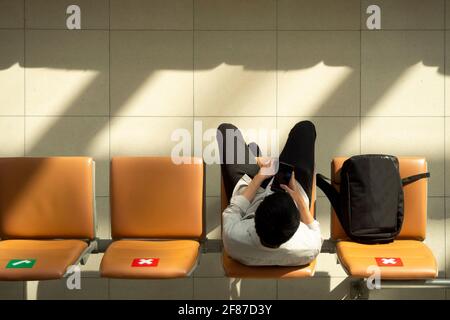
(389, 262)
(145, 262)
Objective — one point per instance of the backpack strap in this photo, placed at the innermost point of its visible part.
(414, 178)
(329, 191)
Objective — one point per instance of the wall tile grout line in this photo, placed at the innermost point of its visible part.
(446, 258)
(360, 75)
(109, 79)
(98, 29)
(193, 127)
(276, 73)
(224, 30)
(286, 279)
(24, 80)
(193, 75)
(194, 276)
(24, 283)
(211, 116)
(109, 119)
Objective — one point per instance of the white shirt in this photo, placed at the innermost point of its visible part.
(242, 243)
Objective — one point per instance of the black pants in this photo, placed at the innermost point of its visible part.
(298, 152)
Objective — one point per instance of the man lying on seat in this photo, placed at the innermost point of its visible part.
(262, 227)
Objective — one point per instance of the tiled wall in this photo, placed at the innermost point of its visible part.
(141, 68)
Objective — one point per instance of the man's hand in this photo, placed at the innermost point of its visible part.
(266, 167)
(294, 191)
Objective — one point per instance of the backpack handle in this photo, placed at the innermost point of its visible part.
(414, 178)
(329, 191)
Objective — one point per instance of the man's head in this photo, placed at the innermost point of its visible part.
(276, 219)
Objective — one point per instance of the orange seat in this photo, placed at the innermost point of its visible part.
(42, 199)
(416, 261)
(235, 269)
(52, 258)
(177, 258)
(157, 214)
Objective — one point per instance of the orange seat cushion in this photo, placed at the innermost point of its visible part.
(234, 269)
(52, 257)
(177, 258)
(417, 259)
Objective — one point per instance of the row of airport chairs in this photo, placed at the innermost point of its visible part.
(47, 222)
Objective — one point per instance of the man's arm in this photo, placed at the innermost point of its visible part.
(250, 191)
(265, 171)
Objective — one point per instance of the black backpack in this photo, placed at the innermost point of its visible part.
(369, 205)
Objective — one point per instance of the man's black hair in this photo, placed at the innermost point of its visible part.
(276, 219)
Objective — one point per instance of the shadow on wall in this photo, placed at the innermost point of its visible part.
(297, 51)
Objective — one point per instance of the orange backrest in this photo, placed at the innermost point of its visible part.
(46, 198)
(415, 199)
(152, 197)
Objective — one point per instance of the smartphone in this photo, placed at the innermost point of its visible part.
(283, 176)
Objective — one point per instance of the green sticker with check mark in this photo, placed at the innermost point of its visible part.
(20, 263)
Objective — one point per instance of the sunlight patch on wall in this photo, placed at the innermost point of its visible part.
(52, 91)
(163, 93)
(215, 233)
(97, 142)
(11, 97)
(417, 90)
(413, 136)
(140, 136)
(229, 90)
(305, 91)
